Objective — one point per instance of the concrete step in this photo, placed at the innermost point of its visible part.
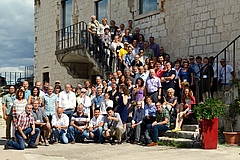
(178, 142)
(193, 128)
(181, 134)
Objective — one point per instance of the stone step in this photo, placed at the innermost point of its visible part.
(193, 128)
(181, 134)
(179, 142)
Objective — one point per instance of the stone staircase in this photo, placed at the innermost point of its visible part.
(184, 139)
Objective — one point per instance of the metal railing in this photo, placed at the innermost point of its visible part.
(77, 36)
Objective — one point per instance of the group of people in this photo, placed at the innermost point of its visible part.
(143, 95)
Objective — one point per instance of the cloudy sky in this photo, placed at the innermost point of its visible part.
(16, 34)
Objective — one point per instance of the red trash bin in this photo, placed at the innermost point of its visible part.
(209, 133)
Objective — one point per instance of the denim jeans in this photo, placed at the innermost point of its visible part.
(130, 132)
(21, 145)
(97, 134)
(74, 132)
(60, 133)
(156, 128)
(69, 113)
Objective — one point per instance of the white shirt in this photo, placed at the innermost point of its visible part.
(229, 69)
(87, 102)
(100, 29)
(41, 94)
(104, 105)
(67, 100)
(95, 121)
(62, 121)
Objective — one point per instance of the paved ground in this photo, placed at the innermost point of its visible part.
(108, 152)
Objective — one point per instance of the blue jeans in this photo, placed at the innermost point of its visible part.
(156, 128)
(74, 132)
(69, 113)
(97, 134)
(21, 145)
(60, 133)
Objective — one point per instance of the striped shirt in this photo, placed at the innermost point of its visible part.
(80, 120)
(18, 107)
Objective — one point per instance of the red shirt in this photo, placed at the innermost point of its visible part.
(24, 121)
(159, 73)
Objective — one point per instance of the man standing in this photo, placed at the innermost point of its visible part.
(60, 122)
(27, 91)
(39, 86)
(161, 123)
(7, 104)
(168, 79)
(25, 127)
(95, 126)
(79, 124)
(98, 99)
(153, 86)
(41, 120)
(92, 29)
(154, 47)
(50, 103)
(226, 73)
(67, 101)
(113, 126)
(147, 51)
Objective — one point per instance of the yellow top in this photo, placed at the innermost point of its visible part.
(122, 52)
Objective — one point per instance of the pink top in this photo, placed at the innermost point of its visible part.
(192, 101)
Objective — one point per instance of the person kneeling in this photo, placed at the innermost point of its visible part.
(25, 127)
(60, 122)
(162, 123)
(79, 124)
(95, 126)
(113, 126)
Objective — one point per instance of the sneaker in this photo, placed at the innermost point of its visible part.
(135, 142)
(6, 146)
(56, 142)
(73, 142)
(176, 130)
(31, 146)
(152, 144)
(46, 143)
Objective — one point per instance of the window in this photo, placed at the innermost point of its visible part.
(146, 6)
(67, 13)
(46, 77)
(102, 10)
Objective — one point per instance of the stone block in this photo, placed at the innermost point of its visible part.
(227, 10)
(198, 25)
(205, 16)
(235, 9)
(211, 7)
(213, 14)
(201, 40)
(217, 47)
(163, 33)
(194, 33)
(193, 41)
(210, 23)
(219, 21)
(215, 38)
(208, 48)
(204, 24)
(154, 23)
(201, 32)
(153, 29)
(198, 10)
(197, 50)
(228, 19)
(208, 31)
(225, 36)
(188, 5)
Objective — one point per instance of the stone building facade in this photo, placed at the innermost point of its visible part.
(182, 27)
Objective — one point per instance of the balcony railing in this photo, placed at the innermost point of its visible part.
(73, 36)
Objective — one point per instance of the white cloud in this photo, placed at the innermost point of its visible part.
(16, 34)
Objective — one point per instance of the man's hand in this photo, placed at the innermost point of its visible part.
(154, 123)
(159, 97)
(91, 134)
(5, 117)
(80, 129)
(48, 124)
(59, 127)
(107, 134)
(109, 118)
(24, 137)
(147, 116)
(33, 132)
(133, 126)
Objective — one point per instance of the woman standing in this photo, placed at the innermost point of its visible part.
(185, 108)
(122, 105)
(115, 48)
(57, 90)
(139, 91)
(185, 74)
(206, 79)
(35, 96)
(19, 104)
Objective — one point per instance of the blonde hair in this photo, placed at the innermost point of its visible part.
(171, 89)
(104, 19)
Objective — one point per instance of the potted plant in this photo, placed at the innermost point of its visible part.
(207, 114)
(233, 110)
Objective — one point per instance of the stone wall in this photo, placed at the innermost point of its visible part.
(47, 15)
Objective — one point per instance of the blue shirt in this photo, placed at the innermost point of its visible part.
(50, 103)
(138, 116)
(168, 84)
(128, 58)
(98, 100)
(150, 110)
(155, 48)
(27, 94)
(153, 84)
